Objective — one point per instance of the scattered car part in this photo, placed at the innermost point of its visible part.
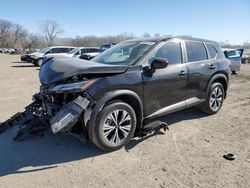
(68, 115)
(229, 156)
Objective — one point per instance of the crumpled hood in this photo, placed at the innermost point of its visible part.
(59, 68)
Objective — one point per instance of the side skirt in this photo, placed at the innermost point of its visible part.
(175, 107)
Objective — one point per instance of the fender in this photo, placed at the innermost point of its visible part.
(92, 115)
(213, 78)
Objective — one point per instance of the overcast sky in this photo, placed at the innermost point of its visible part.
(219, 20)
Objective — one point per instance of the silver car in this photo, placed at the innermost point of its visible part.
(235, 57)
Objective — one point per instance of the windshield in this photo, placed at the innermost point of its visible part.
(44, 50)
(74, 51)
(125, 53)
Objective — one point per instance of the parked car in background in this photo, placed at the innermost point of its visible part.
(81, 52)
(246, 56)
(7, 50)
(38, 57)
(27, 57)
(235, 57)
(106, 46)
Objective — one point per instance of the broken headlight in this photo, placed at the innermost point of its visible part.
(72, 87)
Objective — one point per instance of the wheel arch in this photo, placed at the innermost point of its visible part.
(220, 78)
(127, 96)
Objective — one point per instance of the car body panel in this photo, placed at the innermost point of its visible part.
(234, 55)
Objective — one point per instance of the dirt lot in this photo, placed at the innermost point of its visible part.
(190, 154)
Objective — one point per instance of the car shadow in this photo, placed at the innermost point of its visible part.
(22, 66)
(19, 62)
(42, 153)
(171, 119)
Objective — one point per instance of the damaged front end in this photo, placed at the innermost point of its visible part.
(65, 104)
(59, 108)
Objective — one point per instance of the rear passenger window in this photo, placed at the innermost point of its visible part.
(64, 50)
(211, 50)
(83, 51)
(54, 50)
(196, 51)
(171, 51)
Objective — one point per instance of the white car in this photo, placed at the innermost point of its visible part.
(81, 52)
(235, 57)
(38, 57)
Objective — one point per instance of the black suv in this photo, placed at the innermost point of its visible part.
(114, 96)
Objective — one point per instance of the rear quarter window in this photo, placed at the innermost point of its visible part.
(196, 51)
(211, 50)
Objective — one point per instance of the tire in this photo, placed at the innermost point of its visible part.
(234, 72)
(215, 98)
(35, 62)
(246, 61)
(111, 136)
(39, 62)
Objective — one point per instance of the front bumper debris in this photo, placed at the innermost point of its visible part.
(68, 115)
(31, 113)
(35, 119)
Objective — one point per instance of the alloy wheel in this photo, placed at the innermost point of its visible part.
(216, 99)
(117, 126)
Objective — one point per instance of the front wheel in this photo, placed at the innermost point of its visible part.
(214, 99)
(114, 127)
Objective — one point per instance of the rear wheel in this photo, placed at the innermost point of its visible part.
(234, 72)
(114, 126)
(214, 99)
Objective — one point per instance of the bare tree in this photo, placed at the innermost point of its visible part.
(5, 31)
(97, 41)
(31, 41)
(18, 33)
(146, 35)
(50, 30)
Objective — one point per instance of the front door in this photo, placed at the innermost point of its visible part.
(165, 89)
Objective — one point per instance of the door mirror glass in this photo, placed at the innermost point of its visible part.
(159, 63)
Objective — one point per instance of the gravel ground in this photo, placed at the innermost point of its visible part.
(190, 154)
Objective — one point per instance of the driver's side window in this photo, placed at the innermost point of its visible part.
(171, 51)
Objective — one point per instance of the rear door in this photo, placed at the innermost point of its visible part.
(201, 66)
(235, 58)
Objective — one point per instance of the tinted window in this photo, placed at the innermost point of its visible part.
(63, 50)
(54, 50)
(212, 50)
(171, 51)
(94, 50)
(196, 51)
(83, 51)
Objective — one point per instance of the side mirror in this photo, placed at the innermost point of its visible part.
(159, 63)
(85, 56)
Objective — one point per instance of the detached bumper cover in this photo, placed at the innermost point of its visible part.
(68, 115)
